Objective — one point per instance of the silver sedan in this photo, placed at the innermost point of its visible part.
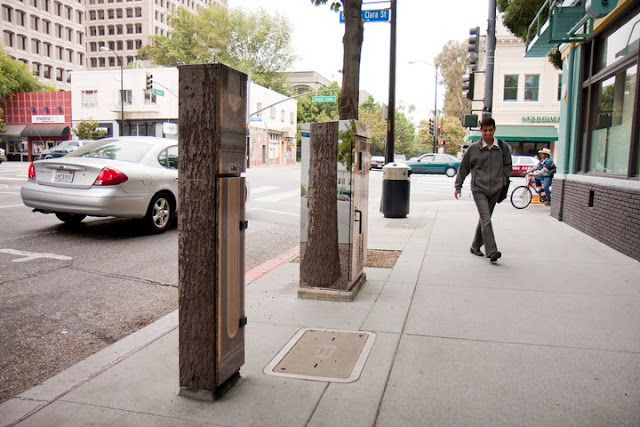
(127, 177)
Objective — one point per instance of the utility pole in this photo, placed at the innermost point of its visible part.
(391, 111)
(491, 50)
(435, 114)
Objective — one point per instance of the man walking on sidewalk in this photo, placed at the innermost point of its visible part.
(489, 162)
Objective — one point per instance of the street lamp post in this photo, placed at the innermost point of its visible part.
(120, 61)
(435, 104)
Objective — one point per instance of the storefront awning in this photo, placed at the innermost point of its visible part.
(517, 133)
(46, 130)
(13, 130)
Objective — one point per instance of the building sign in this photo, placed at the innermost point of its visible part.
(170, 128)
(541, 119)
(47, 119)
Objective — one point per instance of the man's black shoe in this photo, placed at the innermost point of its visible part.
(495, 256)
(476, 252)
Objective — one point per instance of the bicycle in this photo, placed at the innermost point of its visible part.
(521, 196)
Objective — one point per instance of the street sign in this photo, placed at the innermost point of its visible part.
(380, 15)
(158, 92)
(255, 119)
(331, 98)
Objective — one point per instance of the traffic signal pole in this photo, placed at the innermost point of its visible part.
(491, 49)
(391, 110)
(435, 114)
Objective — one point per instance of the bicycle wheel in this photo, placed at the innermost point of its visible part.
(521, 197)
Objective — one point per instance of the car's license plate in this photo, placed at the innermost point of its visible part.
(63, 176)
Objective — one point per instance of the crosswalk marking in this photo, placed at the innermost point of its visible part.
(263, 189)
(278, 197)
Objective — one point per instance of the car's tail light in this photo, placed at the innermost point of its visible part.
(110, 177)
(32, 172)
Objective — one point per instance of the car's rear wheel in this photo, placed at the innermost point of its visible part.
(70, 218)
(159, 213)
(450, 172)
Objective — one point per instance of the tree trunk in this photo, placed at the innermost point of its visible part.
(320, 265)
(352, 41)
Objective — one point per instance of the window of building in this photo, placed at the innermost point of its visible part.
(69, 55)
(79, 37)
(127, 99)
(111, 14)
(80, 58)
(7, 13)
(46, 49)
(58, 8)
(68, 12)
(611, 146)
(20, 18)
(292, 118)
(94, 62)
(59, 31)
(149, 97)
(258, 108)
(129, 28)
(47, 72)
(138, 44)
(79, 16)
(272, 112)
(112, 61)
(46, 27)
(89, 98)
(59, 74)
(68, 74)
(46, 5)
(35, 23)
(119, 13)
(531, 87)
(138, 12)
(59, 51)
(101, 14)
(36, 68)
(282, 116)
(510, 87)
(119, 45)
(69, 34)
(102, 63)
(129, 12)
(21, 42)
(34, 3)
(111, 30)
(138, 28)
(35, 46)
(92, 15)
(118, 29)
(129, 44)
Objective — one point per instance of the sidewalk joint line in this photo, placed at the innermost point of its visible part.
(528, 344)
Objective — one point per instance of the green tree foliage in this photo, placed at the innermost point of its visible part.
(15, 77)
(405, 132)
(518, 14)
(452, 62)
(86, 129)
(1, 120)
(241, 39)
(453, 133)
(318, 112)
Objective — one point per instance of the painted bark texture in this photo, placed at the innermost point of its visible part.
(320, 266)
(199, 145)
(352, 42)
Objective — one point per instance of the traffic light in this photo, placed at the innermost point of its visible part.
(149, 81)
(474, 48)
(443, 142)
(432, 130)
(468, 82)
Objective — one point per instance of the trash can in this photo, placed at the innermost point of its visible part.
(395, 190)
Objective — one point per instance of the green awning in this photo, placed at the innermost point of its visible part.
(518, 133)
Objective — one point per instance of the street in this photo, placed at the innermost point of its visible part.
(68, 292)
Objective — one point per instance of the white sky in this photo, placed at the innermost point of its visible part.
(424, 26)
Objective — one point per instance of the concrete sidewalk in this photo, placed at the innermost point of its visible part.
(548, 336)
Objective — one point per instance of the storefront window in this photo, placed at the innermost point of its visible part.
(611, 134)
(611, 85)
(619, 44)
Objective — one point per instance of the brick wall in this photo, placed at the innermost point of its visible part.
(608, 214)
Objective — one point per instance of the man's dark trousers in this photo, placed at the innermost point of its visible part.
(484, 230)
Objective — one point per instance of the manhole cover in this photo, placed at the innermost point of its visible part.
(323, 355)
(405, 224)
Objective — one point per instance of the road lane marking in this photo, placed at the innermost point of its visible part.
(30, 256)
(276, 212)
(263, 189)
(278, 197)
(11, 206)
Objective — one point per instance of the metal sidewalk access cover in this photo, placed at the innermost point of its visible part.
(323, 355)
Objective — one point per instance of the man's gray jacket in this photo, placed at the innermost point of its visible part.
(490, 169)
